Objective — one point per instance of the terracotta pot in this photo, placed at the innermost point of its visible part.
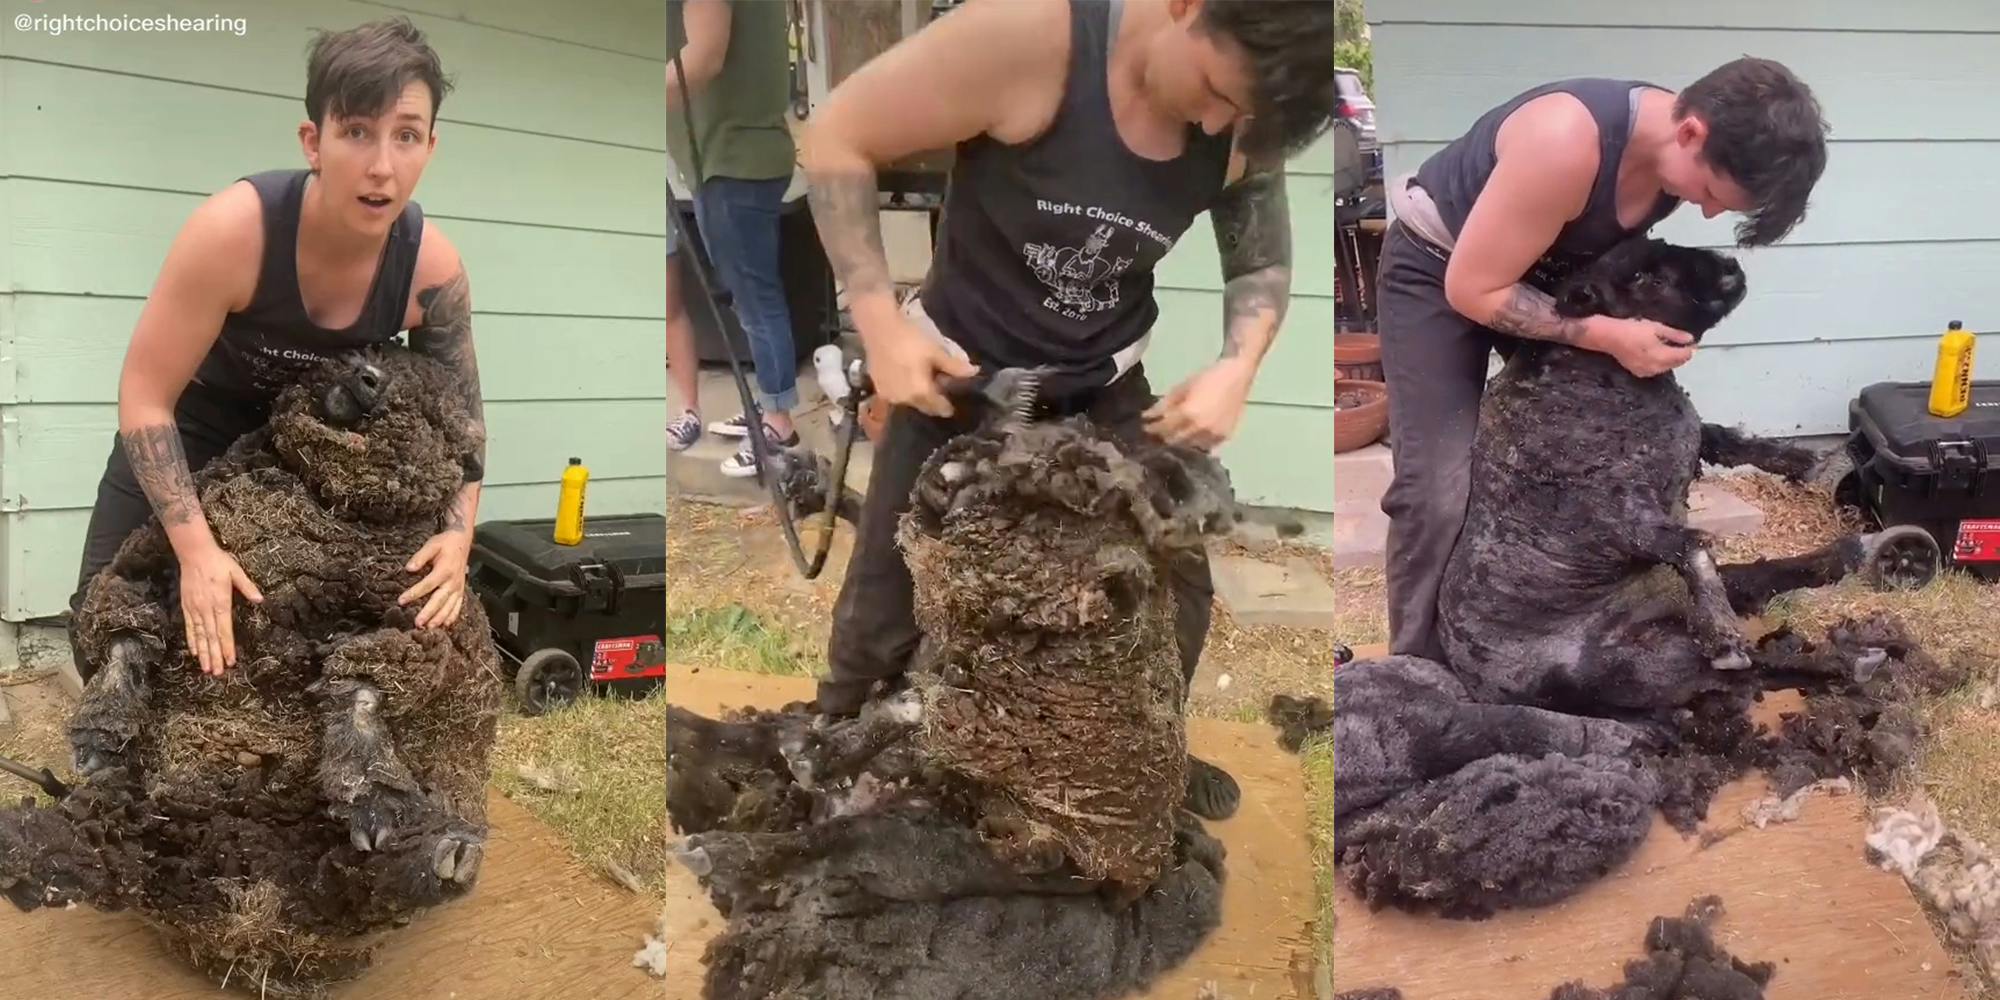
(1358, 356)
(1359, 426)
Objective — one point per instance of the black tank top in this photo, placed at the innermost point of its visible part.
(270, 344)
(1454, 175)
(1045, 250)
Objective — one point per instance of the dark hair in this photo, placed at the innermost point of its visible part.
(1290, 47)
(364, 69)
(1766, 133)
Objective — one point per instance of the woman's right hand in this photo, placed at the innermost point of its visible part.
(904, 363)
(210, 580)
(1644, 347)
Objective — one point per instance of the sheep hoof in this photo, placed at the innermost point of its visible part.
(694, 859)
(372, 821)
(456, 858)
(1735, 659)
(1868, 662)
(96, 750)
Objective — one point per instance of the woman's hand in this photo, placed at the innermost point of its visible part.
(210, 580)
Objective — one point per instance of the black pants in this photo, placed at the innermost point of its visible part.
(1434, 361)
(875, 630)
(209, 422)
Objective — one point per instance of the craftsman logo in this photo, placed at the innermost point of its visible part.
(626, 657)
(1978, 541)
(1082, 281)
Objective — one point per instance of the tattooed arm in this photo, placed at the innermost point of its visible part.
(210, 269)
(1546, 167)
(1253, 231)
(444, 331)
(993, 56)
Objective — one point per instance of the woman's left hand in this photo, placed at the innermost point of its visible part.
(447, 554)
(1203, 411)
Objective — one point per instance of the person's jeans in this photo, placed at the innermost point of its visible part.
(739, 226)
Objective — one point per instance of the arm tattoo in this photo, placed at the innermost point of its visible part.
(1253, 231)
(459, 517)
(849, 220)
(161, 467)
(1530, 312)
(446, 334)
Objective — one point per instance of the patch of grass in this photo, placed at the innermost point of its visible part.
(1319, 820)
(733, 637)
(610, 756)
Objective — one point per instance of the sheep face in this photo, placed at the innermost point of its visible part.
(384, 436)
(1687, 288)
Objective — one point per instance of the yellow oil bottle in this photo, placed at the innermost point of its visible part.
(1951, 385)
(569, 505)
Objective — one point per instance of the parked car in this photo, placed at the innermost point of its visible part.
(1353, 108)
(1351, 104)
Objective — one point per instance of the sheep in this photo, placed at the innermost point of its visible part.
(1576, 583)
(275, 822)
(1596, 670)
(1011, 822)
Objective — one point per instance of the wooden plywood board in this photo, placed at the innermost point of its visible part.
(536, 927)
(1796, 894)
(1262, 951)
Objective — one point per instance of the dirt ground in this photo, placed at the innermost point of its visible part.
(1955, 618)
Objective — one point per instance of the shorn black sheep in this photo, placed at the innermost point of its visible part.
(1010, 824)
(1597, 670)
(274, 822)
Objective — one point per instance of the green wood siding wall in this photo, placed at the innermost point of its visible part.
(547, 175)
(1904, 231)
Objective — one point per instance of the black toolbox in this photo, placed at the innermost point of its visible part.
(568, 616)
(1941, 474)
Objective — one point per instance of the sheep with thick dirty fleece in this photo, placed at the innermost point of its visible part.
(276, 821)
(968, 836)
(1576, 583)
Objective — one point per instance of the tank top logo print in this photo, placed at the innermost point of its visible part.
(273, 368)
(1084, 279)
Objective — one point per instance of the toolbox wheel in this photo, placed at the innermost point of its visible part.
(547, 679)
(1904, 557)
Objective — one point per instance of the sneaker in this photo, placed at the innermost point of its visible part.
(684, 431)
(743, 464)
(737, 426)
